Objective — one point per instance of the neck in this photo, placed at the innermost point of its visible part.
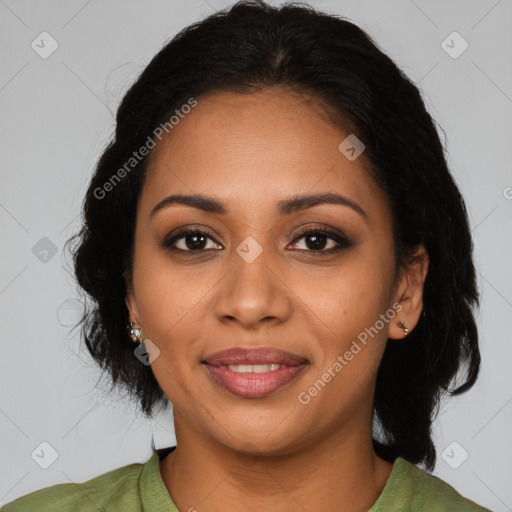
(341, 472)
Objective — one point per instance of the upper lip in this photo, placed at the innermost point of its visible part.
(250, 356)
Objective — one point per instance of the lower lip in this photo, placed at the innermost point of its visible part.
(253, 385)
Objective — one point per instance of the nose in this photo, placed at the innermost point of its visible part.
(253, 293)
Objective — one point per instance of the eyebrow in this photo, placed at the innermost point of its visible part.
(284, 207)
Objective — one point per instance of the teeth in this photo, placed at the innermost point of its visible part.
(253, 368)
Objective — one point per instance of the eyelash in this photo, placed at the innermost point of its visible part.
(342, 241)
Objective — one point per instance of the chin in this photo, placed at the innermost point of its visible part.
(270, 435)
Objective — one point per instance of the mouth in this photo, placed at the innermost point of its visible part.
(254, 372)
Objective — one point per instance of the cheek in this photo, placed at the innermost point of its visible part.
(349, 296)
(350, 300)
(167, 294)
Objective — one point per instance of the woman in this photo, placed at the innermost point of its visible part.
(276, 222)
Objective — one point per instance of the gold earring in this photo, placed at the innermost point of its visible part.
(403, 326)
(135, 332)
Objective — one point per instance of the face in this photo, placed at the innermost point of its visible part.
(262, 270)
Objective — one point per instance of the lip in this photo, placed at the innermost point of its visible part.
(259, 355)
(254, 385)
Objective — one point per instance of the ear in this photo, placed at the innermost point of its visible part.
(409, 293)
(131, 304)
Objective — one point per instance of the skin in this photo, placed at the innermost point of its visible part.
(269, 453)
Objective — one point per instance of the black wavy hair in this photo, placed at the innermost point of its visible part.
(250, 47)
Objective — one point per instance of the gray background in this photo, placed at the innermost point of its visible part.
(57, 117)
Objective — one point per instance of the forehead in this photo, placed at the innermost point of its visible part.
(251, 150)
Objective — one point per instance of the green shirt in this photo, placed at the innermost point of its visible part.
(139, 487)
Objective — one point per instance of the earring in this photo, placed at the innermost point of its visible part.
(403, 326)
(135, 332)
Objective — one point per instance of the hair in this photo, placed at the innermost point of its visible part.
(248, 48)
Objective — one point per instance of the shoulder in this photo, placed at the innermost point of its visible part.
(420, 490)
(115, 490)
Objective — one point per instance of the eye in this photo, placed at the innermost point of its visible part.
(316, 239)
(193, 241)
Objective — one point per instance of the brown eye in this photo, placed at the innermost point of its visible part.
(193, 241)
(316, 240)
